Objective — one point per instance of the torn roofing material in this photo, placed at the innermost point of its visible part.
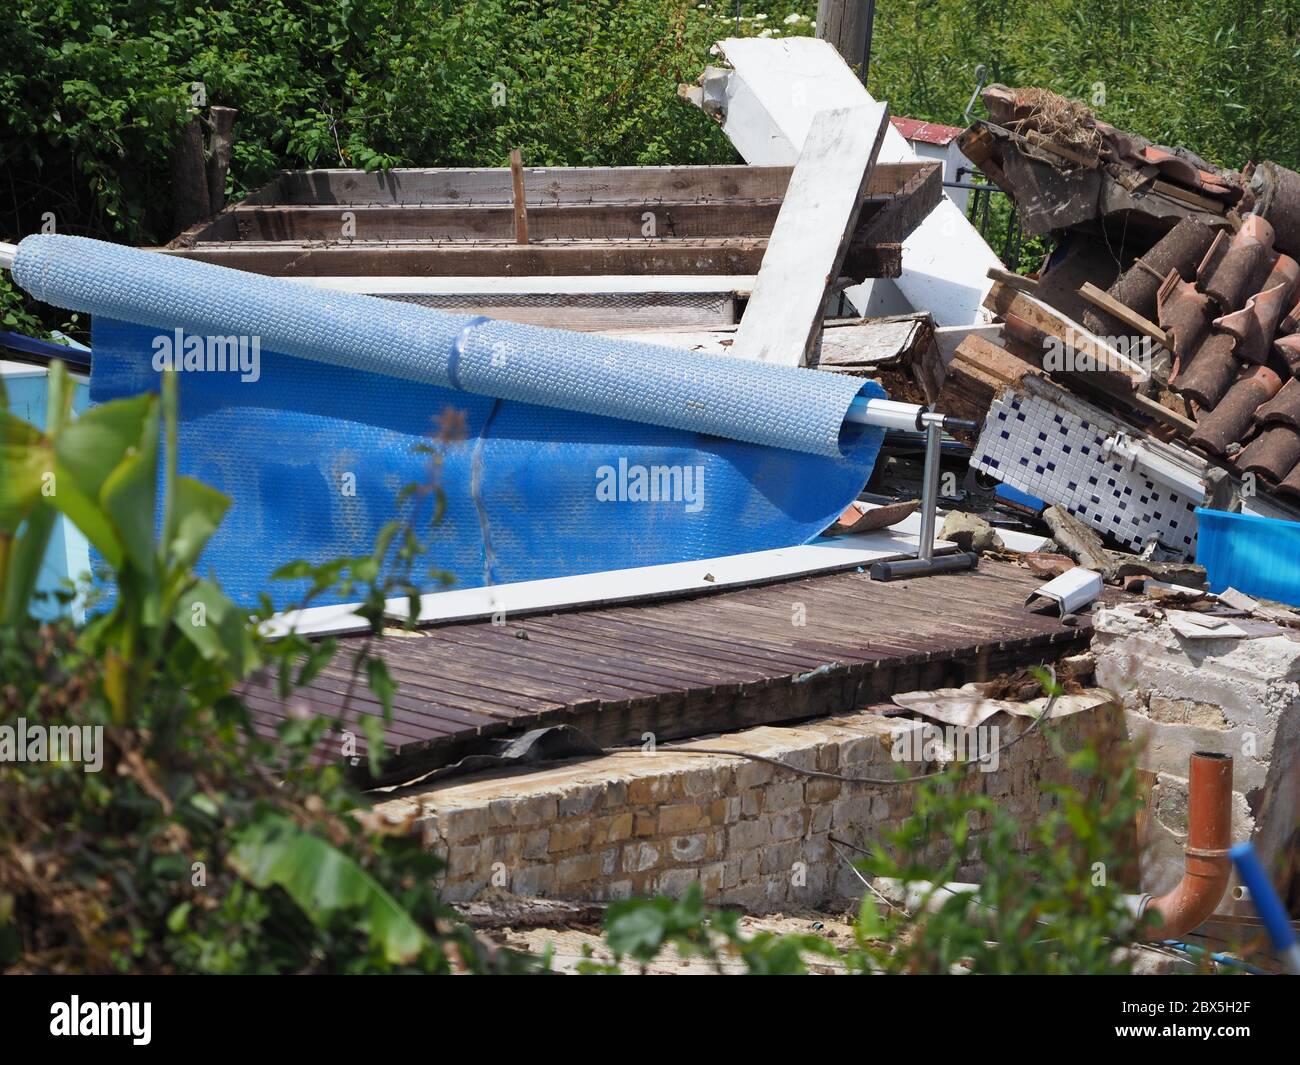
(914, 129)
(1180, 250)
(1208, 258)
(1065, 168)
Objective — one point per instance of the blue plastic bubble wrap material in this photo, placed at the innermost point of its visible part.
(566, 426)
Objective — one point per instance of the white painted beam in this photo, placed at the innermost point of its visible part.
(811, 235)
(608, 284)
(638, 584)
(766, 103)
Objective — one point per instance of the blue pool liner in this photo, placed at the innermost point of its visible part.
(1256, 555)
(534, 437)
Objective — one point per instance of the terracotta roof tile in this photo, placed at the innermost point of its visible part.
(914, 129)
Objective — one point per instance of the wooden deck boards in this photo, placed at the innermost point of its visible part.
(712, 662)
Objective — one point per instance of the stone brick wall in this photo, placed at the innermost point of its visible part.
(751, 833)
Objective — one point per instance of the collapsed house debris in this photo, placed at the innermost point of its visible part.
(1042, 454)
(1161, 253)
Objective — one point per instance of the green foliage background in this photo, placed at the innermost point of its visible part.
(91, 91)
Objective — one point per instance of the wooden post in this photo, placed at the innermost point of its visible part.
(847, 25)
(521, 210)
(221, 142)
(190, 198)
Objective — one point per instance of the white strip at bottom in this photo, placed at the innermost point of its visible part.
(641, 583)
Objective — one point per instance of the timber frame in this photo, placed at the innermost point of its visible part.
(581, 221)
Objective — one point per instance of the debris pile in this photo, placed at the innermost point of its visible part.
(1152, 365)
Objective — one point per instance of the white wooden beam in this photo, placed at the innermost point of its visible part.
(609, 284)
(811, 235)
(766, 103)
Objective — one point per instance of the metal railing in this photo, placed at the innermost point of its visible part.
(1001, 229)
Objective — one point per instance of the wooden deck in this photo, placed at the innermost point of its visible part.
(779, 652)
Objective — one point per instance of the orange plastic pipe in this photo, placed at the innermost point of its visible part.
(1209, 835)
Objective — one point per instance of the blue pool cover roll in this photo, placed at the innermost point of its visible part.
(568, 453)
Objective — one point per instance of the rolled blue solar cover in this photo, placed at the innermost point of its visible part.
(778, 406)
(557, 453)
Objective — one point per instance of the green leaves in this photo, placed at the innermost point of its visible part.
(325, 884)
(641, 928)
(24, 459)
(101, 470)
(96, 448)
(199, 510)
(216, 627)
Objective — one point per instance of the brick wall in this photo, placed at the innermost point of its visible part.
(753, 834)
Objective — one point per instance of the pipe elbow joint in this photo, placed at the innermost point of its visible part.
(1209, 835)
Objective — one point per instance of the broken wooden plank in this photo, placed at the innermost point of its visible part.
(852, 346)
(895, 220)
(520, 205)
(1192, 199)
(1112, 385)
(562, 221)
(1080, 344)
(884, 219)
(979, 372)
(1127, 315)
(1009, 277)
(810, 239)
(577, 184)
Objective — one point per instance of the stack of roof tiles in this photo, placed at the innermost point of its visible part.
(1234, 327)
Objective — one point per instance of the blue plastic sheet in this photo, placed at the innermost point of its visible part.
(1256, 555)
(559, 453)
(315, 456)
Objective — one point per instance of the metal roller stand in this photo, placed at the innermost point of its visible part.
(893, 415)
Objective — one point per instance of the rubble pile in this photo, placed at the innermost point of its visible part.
(1157, 351)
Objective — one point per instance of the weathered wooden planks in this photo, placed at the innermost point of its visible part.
(776, 652)
(547, 221)
(741, 255)
(578, 184)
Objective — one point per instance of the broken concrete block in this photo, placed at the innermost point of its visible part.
(970, 532)
(1237, 696)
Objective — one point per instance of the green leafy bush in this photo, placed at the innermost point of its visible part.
(190, 842)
